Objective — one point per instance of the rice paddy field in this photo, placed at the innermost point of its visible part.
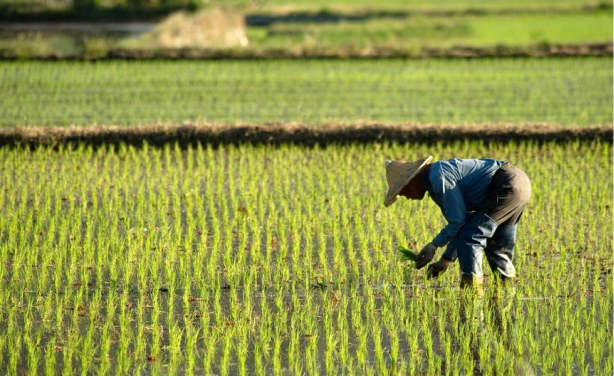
(565, 92)
(282, 260)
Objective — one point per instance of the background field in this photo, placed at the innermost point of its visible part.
(559, 91)
(243, 260)
(97, 29)
(413, 33)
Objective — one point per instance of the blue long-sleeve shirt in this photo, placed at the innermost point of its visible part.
(458, 186)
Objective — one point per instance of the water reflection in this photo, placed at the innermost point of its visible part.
(489, 319)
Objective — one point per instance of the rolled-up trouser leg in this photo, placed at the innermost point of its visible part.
(499, 251)
(472, 240)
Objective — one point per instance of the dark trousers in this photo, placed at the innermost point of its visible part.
(491, 229)
(508, 193)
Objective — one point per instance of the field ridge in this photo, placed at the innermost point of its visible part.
(459, 51)
(297, 133)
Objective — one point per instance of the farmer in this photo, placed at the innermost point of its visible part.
(482, 201)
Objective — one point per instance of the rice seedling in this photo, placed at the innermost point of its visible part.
(255, 259)
(407, 253)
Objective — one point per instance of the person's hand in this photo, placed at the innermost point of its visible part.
(437, 268)
(426, 255)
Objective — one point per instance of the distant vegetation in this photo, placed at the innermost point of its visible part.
(26, 6)
(97, 10)
(114, 10)
(247, 29)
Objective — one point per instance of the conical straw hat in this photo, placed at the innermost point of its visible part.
(399, 174)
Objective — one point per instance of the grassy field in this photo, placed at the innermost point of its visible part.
(559, 91)
(342, 29)
(260, 260)
(413, 33)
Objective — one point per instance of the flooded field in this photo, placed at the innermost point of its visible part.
(282, 260)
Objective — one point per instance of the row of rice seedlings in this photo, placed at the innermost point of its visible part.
(255, 258)
(559, 91)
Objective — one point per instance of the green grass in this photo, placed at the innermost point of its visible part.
(539, 28)
(416, 32)
(251, 259)
(562, 91)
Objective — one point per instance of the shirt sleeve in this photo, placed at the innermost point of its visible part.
(454, 210)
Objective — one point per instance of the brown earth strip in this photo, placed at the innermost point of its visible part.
(294, 133)
(539, 50)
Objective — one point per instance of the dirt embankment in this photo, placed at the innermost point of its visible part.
(300, 134)
(545, 50)
(500, 51)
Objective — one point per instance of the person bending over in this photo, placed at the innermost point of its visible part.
(482, 201)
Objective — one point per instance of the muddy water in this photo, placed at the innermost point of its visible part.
(79, 27)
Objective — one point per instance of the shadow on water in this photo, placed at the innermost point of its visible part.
(331, 16)
(120, 28)
(492, 325)
(323, 16)
(487, 334)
